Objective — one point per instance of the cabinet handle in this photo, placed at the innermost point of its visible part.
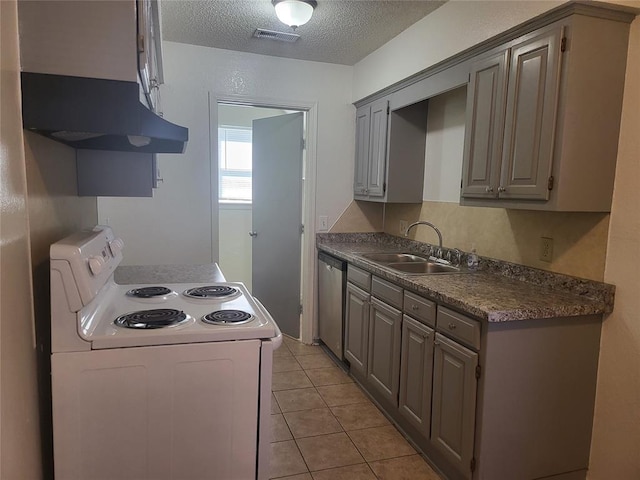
(253, 234)
(489, 189)
(501, 189)
(452, 326)
(415, 308)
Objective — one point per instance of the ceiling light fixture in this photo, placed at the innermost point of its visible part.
(294, 12)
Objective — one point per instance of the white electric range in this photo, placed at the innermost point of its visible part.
(155, 381)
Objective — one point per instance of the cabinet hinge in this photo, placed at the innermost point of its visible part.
(550, 183)
(300, 309)
(301, 229)
(388, 109)
(563, 44)
(140, 43)
(473, 464)
(303, 142)
(478, 371)
(384, 187)
(469, 81)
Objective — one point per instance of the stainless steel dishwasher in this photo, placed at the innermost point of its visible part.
(332, 281)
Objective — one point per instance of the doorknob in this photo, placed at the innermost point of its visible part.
(253, 234)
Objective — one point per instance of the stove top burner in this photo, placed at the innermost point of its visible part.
(149, 292)
(212, 291)
(227, 317)
(158, 318)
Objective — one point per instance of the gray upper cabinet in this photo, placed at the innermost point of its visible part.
(543, 117)
(486, 98)
(371, 149)
(390, 149)
(530, 117)
(511, 111)
(363, 128)
(383, 370)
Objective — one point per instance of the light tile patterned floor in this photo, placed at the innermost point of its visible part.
(325, 428)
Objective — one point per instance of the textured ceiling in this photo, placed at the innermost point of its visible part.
(340, 31)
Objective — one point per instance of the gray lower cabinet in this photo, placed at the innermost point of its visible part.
(454, 403)
(383, 369)
(416, 374)
(356, 334)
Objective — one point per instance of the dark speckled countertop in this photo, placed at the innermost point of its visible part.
(496, 292)
(153, 274)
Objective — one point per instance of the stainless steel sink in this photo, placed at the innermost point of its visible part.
(422, 268)
(394, 258)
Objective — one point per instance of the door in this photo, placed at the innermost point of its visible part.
(532, 97)
(363, 126)
(383, 371)
(485, 126)
(277, 217)
(453, 415)
(416, 374)
(378, 149)
(356, 333)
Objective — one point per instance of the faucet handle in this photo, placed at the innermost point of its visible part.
(457, 256)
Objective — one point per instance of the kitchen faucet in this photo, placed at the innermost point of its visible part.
(439, 252)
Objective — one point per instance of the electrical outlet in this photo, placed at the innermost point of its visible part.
(546, 249)
(323, 223)
(403, 226)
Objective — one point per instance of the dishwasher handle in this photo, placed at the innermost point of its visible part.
(332, 262)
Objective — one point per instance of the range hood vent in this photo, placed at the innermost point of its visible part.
(96, 114)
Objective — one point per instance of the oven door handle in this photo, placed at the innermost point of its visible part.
(277, 340)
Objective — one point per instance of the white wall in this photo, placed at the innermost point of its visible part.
(452, 28)
(458, 25)
(20, 454)
(616, 430)
(180, 211)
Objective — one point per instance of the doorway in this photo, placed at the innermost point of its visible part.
(260, 178)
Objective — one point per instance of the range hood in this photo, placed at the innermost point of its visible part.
(96, 114)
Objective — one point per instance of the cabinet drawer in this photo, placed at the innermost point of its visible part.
(359, 277)
(387, 291)
(420, 308)
(459, 327)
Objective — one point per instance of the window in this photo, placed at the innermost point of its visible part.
(234, 156)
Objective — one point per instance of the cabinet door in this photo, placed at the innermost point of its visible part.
(484, 129)
(530, 120)
(416, 374)
(383, 371)
(356, 334)
(149, 56)
(378, 149)
(454, 402)
(363, 127)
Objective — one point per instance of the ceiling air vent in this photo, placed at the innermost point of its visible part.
(273, 35)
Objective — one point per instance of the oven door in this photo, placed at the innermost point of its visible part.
(169, 412)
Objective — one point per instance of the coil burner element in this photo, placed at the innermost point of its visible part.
(158, 318)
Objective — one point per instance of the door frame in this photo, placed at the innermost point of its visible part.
(307, 287)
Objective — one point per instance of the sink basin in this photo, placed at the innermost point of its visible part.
(422, 268)
(394, 258)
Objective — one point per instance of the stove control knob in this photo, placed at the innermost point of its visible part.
(116, 246)
(96, 264)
